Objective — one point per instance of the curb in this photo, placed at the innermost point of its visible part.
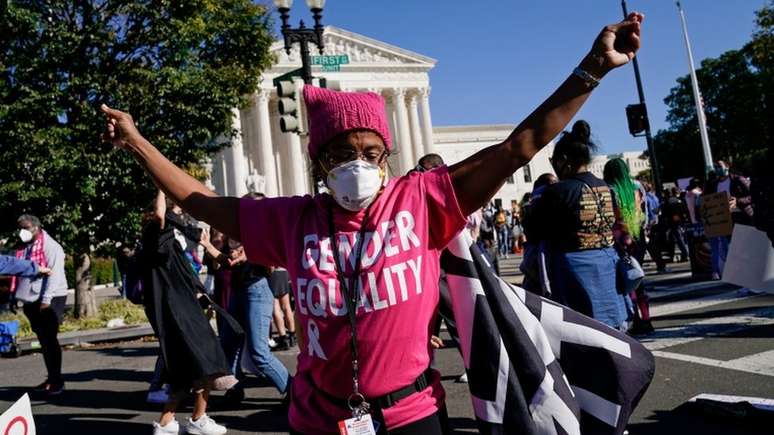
(77, 338)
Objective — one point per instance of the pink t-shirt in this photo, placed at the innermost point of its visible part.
(410, 223)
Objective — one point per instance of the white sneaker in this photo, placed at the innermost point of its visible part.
(272, 343)
(463, 379)
(171, 428)
(204, 426)
(158, 396)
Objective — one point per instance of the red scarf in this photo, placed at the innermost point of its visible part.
(37, 254)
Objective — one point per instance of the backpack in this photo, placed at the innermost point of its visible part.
(8, 333)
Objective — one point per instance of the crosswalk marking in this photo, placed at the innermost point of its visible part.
(692, 304)
(663, 338)
(760, 363)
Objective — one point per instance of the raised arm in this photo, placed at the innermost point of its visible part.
(195, 198)
(477, 178)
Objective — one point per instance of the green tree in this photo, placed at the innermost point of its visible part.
(737, 94)
(178, 66)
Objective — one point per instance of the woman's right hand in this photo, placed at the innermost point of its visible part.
(204, 239)
(120, 129)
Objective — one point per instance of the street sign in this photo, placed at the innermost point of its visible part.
(331, 63)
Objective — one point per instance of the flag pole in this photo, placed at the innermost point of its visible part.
(708, 162)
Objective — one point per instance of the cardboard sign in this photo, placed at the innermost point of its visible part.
(17, 420)
(716, 214)
(750, 261)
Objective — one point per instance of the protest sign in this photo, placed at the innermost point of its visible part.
(17, 420)
(716, 214)
(750, 261)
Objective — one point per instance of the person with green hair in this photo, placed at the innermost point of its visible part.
(617, 176)
(628, 232)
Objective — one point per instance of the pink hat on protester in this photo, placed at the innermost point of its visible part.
(332, 113)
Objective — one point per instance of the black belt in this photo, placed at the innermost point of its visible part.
(390, 399)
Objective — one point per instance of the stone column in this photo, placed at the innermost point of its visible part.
(265, 147)
(235, 159)
(416, 133)
(427, 123)
(295, 164)
(403, 141)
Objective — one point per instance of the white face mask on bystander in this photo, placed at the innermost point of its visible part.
(25, 235)
(355, 184)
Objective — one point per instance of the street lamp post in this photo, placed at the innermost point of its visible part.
(648, 136)
(303, 35)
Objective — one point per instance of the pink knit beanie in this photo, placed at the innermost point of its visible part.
(332, 113)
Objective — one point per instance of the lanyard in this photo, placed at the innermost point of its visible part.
(349, 291)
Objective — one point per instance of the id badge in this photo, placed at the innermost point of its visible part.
(363, 425)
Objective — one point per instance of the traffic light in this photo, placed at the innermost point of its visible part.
(637, 115)
(288, 106)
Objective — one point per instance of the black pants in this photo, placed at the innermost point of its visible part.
(45, 324)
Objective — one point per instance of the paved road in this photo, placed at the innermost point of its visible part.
(708, 339)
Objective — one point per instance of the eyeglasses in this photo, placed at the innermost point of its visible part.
(345, 155)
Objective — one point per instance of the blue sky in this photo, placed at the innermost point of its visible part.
(498, 59)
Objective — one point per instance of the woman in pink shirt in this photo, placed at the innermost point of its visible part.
(364, 258)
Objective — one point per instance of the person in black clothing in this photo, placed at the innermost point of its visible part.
(575, 217)
(676, 215)
(193, 359)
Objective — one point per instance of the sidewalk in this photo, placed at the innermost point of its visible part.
(77, 338)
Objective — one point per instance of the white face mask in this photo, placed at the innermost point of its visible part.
(355, 184)
(25, 235)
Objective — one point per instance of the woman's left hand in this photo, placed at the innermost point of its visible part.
(615, 46)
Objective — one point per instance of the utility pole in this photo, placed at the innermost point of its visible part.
(648, 136)
(705, 145)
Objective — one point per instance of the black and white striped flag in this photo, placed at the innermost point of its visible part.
(534, 366)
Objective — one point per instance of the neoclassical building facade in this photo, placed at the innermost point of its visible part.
(264, 159)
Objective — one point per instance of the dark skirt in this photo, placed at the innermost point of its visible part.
(585, 282)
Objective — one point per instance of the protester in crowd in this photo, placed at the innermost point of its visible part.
(740, 204)
(651, 241)
(44, 297)
(675, 212)
(534, 263)
(628, 204)
(517, 232)
(377, 338)
(254, 298)
(192, 356)
(503, 233)
(692, 194)
(284, 319)
(575, 217)
(224, 264)
(124, 253)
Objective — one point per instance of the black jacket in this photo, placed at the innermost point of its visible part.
(191, 351)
